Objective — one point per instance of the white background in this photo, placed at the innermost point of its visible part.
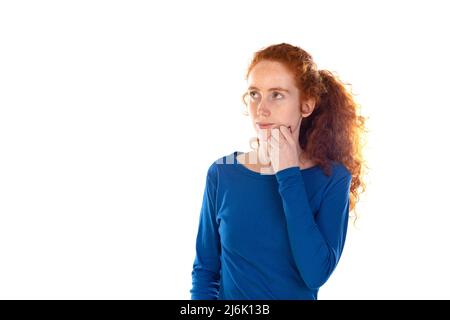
(112, 111)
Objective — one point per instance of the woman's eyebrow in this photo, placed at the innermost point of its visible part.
(271, 89)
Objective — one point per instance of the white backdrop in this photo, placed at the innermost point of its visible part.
(112, 111)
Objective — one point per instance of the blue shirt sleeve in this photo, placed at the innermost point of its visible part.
(206, 268)
(316, 241)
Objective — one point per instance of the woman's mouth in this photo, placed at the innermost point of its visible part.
(264, 125)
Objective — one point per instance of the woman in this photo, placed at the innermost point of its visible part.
(273, 220)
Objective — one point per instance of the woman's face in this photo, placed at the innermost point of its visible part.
(273, 97)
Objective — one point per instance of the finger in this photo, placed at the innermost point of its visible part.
(278, 136)
(273, 147)
(275, 135)
(276, 140)
(274, 151)
(282, 139)
(287, 134)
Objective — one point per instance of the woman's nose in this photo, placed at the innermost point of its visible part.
(262, 109)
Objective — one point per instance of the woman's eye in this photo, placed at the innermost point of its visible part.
(251, 93)
(277, 93)
(254, 94)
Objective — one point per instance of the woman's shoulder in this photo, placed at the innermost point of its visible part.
(229, 158)
(218, 163)
(340, 175)
(340, 170)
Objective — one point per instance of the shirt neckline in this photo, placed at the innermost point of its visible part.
(247, 171)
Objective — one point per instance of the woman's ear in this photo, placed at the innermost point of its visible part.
(307, 107)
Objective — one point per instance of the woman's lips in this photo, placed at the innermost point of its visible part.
(265, 126)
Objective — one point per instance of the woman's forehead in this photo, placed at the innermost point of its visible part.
(270, 74)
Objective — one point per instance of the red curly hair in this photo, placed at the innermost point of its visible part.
(335, 130)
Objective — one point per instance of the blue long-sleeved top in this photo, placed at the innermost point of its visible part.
(262, 236)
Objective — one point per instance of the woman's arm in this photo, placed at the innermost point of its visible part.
(316, 243)
(206, 268)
